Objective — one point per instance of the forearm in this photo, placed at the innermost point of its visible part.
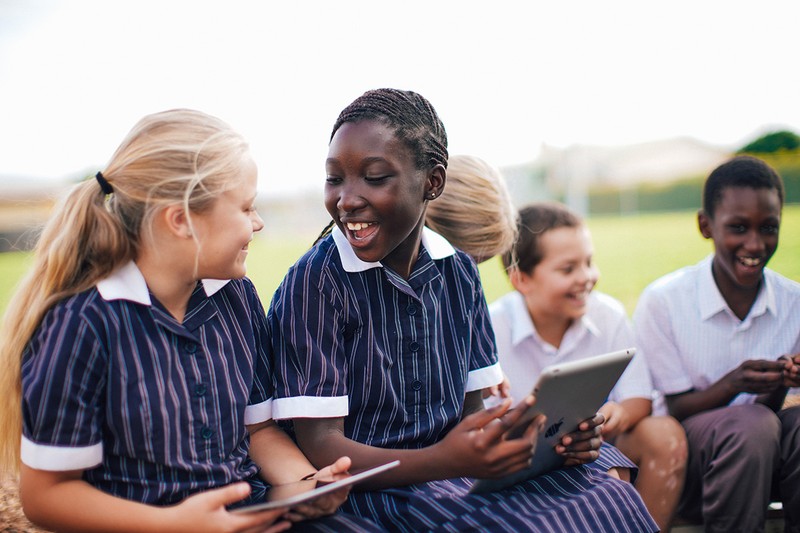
(636, 409)
(323, 441)
(774, 400)
(60, 504)
(682, 406)
(279, 458)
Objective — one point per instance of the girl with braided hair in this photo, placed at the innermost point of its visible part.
(382, 344)
(134, 359)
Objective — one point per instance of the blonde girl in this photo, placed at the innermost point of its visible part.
(134, 354)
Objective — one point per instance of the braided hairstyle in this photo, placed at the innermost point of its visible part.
(413, 119)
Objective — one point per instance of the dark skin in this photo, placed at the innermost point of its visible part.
(744, 228)
(377, 197)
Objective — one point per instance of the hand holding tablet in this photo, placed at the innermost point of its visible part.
(291, 495)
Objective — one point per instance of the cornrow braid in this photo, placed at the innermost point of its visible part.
(413, 118)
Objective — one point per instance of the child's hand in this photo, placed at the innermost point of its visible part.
(617, 420)
(791, 371)
(756, 376)
(327, 503)
(478, 446)
(582, 446)
(501, 390)
(206, 511)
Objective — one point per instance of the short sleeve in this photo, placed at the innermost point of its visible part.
(635, 382)
(307, 347)
(484, 369)
(259, 408)
(63, 381)
(655, 338)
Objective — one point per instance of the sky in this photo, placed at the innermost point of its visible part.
(506, 77)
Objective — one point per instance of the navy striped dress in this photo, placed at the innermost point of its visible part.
(152, 410)
(396, 358)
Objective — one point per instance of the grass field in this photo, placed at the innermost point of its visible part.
(630, 251)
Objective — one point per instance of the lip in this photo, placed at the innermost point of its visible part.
(359, 233)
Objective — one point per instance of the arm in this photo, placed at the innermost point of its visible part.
(476, 447)
(756, 376)
(278, 457)
(62, 501)
(623, 416)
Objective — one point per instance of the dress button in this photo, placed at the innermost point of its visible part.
(411, 309)
(413, 346)
(200, 390)
(416, 384)
(206, 433)
(190, 347)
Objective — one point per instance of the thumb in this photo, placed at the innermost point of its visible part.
(229, 494)
(481, 418)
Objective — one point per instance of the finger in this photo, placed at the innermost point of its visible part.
(340, 466)
(481, 419)
(224, 496)
(593, 422)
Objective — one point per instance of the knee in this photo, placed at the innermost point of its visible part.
(663, 438)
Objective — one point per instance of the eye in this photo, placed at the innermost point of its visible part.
(333, 180)
(375, 179)
(770, 229)
(737, 228)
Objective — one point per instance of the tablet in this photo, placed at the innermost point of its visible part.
(567, 393)
(292, 494)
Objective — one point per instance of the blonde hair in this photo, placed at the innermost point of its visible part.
(475, 212)
(181, 157)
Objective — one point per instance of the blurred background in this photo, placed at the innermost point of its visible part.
(618, 108)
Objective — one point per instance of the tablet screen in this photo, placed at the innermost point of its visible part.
(291, 494)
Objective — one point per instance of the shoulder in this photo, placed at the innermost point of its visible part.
(782, 283)
(606, 304)
(683, 279)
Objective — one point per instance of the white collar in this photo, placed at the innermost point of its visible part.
(437, 246)
(711, 301)
(128, 283)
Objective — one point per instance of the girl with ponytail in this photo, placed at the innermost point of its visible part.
(134, 356)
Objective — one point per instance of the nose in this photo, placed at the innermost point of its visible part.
(258, 222)
(754, 242)
(350, 199)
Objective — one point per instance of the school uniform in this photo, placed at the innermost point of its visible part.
(396, 358)
(691, 339)
(603, 328)
(153, 410)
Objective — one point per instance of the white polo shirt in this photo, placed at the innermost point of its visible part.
(691, 338)
(604, 328)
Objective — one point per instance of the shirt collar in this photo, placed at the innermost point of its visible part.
(128, 283)
(523, 327)
(711, 301)
(437, 246)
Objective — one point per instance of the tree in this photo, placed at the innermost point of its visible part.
(773, 142)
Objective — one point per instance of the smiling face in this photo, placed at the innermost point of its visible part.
(558, 287)
(376, 195)
(745, 229)
(225, 230)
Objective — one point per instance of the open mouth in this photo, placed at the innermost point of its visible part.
(361, 230)
(750, 262)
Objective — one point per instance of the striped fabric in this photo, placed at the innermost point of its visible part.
(152, 409)
(396, 358)
(691, 338)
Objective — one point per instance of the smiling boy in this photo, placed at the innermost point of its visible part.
(722, 339)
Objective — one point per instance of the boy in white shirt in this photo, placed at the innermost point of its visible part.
(555, 316)
(722, 339)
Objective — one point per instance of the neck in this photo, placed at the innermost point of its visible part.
(550, 328)
(167, 283)
(739, 299)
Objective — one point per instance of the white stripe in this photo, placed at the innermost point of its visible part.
(482, 378)
(310, 407)
(259, 412)
(60, 458)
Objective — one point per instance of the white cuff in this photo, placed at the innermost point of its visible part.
(482, 378)
(60, 458)
(259, 412)
(310, 407)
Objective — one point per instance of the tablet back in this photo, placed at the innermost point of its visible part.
(567, 394)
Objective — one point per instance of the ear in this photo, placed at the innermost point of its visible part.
(704, 223)
(518, 279)
(437, 177)
(176, 222)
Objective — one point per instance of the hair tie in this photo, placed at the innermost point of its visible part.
(105, 186)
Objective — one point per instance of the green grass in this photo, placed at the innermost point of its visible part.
(630, 251)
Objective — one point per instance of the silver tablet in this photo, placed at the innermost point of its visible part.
(292, 494)
(567, 394)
